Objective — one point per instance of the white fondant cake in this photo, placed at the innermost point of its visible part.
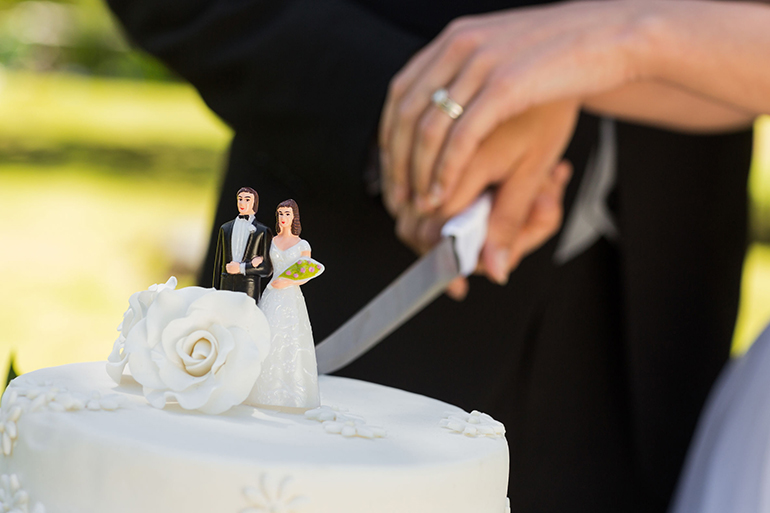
(75, 442)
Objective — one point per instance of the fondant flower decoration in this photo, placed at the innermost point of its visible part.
(10, 412)
(345, 424)
(271, 498)
(13, 498)
(139, 303)
(202, 348)
(473, 424)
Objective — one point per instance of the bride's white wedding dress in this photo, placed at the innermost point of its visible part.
(289, 376)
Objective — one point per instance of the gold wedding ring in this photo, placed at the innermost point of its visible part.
(442, 100)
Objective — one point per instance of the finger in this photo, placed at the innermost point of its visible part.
(434, 126)
(403, 80)
(400, 84)
(398, 87)
(500, 154)
(406, 227)
(545, 217)
(418, 232)
(457, 288)
(512, 204)
(434, 75)
(462, 141)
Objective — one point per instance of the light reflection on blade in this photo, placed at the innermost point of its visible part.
(414, 289)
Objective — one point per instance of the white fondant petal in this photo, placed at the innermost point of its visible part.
(244, 364)
(225, 343)
(195, 398)
(115, 369)
(157, 398)
(143, 369)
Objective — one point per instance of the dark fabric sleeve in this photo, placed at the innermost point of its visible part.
(303, 79)
(264, 269)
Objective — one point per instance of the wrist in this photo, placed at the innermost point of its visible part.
(640, 35)
(655, 43)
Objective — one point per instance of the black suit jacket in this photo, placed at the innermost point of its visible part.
(598, 367)
(258, 244)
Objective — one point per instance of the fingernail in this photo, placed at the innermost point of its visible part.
(499, 265)
(435, 196)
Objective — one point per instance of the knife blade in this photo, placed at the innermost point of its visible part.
(456, 255)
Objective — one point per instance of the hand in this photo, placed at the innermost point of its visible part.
(282, 283)
(502, 252)
(498, 66)
(541, 222)
(233, 267)
(517, 159)
(256, 261)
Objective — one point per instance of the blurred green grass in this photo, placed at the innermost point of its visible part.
(108, 186)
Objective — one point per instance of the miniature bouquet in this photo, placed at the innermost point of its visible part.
(304, 269)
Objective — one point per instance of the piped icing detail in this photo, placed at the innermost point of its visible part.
(13, 498)
(270, 497)
(29, 397)
(473, 424)
(343, 423)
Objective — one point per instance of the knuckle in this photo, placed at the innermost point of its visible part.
(429, 131)
(458, 24)
(459, 139)
(501, 83)
(398, 85)
(485, 58)
(406, 235)
(408, 109)
(464, 41)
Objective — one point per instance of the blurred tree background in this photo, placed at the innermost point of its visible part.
(109, 170)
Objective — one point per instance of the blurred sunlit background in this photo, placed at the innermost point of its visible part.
(109, 170)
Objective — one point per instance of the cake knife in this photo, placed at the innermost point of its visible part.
(456, 255)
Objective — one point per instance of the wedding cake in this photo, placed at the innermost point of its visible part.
(177, 434)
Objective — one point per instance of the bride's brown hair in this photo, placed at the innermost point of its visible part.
(296, 227)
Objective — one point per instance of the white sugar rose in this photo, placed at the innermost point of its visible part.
(138, 304)
(203, 348)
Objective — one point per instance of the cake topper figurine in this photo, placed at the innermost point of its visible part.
(242, 246)
(289, 377)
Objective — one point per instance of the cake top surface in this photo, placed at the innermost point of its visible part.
(411, 424)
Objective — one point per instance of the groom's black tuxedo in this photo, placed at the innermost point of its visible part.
(258, 244)
(597, 367)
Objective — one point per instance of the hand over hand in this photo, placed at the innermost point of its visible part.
(498, 66)
(518, 159)
(521, 76)
(256, 261)
(503, 251)
(233, 267)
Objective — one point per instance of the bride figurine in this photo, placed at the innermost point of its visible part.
(289, 377)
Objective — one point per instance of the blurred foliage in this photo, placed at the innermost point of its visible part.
(106, 186)
(76, 36)
(759, 182)
(754, 312)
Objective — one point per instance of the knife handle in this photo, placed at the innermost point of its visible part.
(469, 231)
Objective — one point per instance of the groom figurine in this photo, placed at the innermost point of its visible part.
(243, 246)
